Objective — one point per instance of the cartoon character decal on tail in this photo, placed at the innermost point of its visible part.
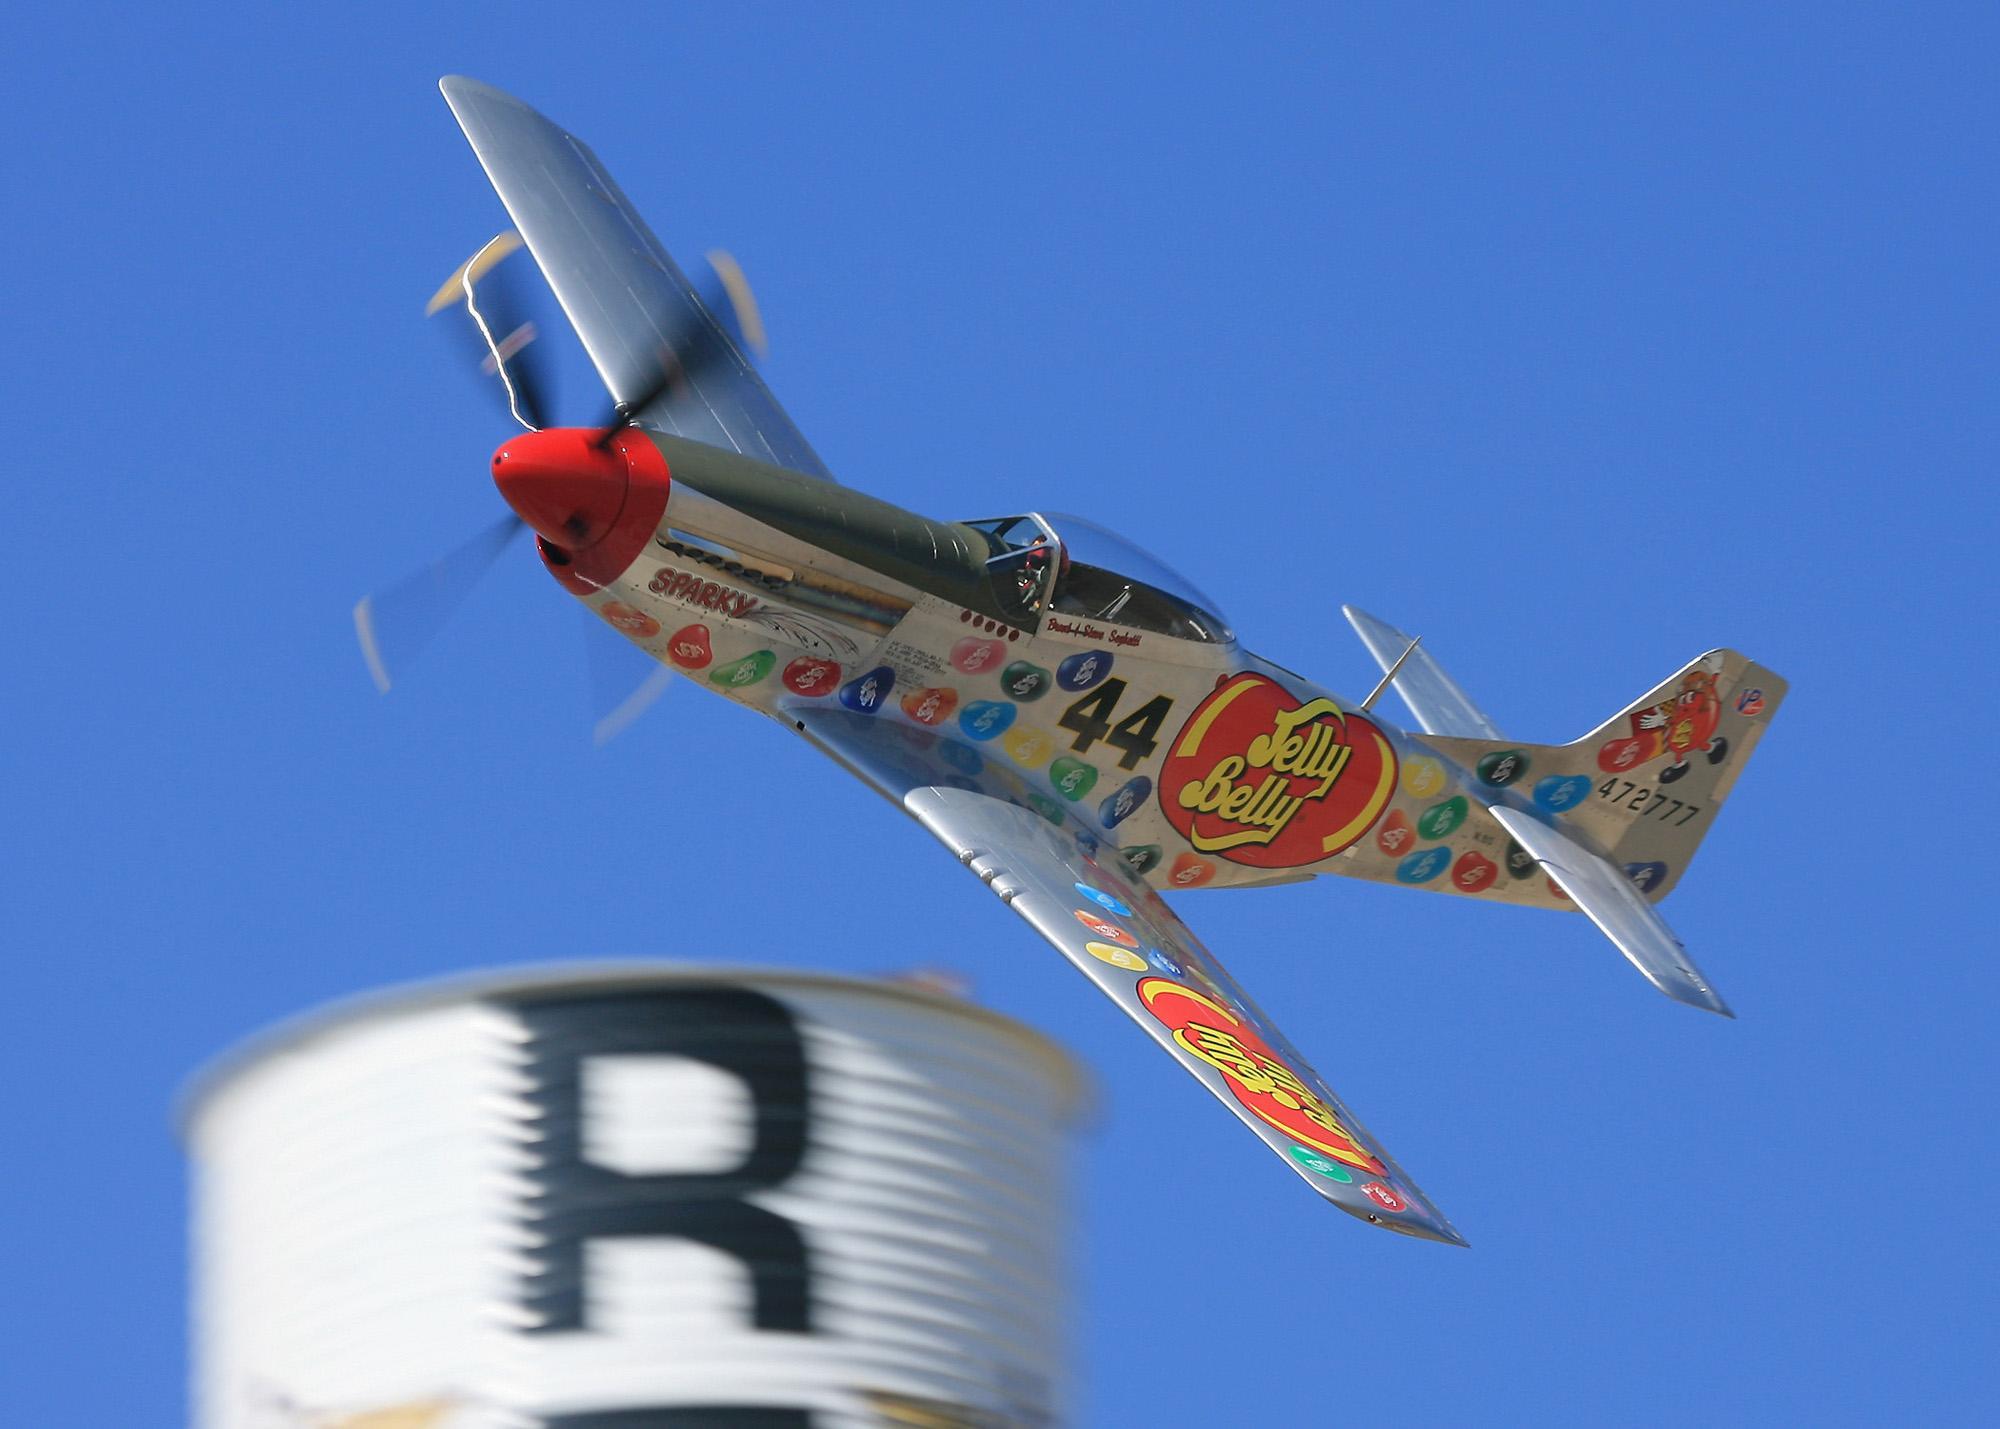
(1681, 724)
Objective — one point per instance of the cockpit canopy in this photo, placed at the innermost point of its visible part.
(1065, 565)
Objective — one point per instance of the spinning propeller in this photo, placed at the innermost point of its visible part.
(585, 491)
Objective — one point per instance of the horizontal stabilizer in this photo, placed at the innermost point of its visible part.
(1434, 698)
(1615, 904)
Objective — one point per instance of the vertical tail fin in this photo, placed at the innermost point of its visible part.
(1664, 764)
(1614, 818)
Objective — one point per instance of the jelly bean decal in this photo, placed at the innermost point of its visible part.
(1025, 682)
(1121, 806)
(1190, 872)
(688, 647)
(1397, 835)
(1164, 961)
(1116, 956)
(1423, 776)
(960, 757)
(1502, 768)
(1321, 1166)
(1029, 748)
(1423, 866)
(1072, 778)
(975, 656)
(1048, 808)
(1108, 902)
(1382, 1196)
(1474, 872)
(1645, 876)
(1560, 792)
(1083, 669)
(865, 693)
(748, 671)
(1142, 859)
(1439, 820)
(1109, 931)
(930, 706)
(810, 675)
(1520, 863)
(1618, 755)
(983, 719)
(627, 621)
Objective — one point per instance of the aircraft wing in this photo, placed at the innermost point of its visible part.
(1121, 935)
(619, 287)
(1435, 698)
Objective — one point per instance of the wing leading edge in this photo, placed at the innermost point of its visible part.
(1121, 935)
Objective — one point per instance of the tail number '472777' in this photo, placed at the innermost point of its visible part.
(1648, 802)
(1138, 734)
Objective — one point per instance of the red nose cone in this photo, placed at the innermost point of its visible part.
(595, 503)
(563, 484)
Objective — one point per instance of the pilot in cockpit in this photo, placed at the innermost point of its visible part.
(1032, 573)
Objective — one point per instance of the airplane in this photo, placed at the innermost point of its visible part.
(1076, 723)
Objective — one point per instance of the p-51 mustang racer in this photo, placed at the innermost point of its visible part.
(1077, 724)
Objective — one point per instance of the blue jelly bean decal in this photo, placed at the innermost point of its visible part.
(1083, 669)
(865, 694)
(1423, 865)
(983, 719)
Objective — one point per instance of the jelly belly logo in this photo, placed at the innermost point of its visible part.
(1268, 1089)
(1260, 779)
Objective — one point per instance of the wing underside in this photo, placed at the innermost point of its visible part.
(1122, 936)
(630, 304)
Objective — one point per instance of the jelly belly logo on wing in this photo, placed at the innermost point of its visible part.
(1268, 1089)
(1258, 778)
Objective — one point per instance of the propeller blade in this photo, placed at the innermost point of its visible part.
(624, 682)
(494, 302)
(729, 305)
(737, 302)
(395, 625)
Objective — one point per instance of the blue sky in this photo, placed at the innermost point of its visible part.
(1578, 341)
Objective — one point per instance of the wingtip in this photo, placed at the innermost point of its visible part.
(1699, 996)
(1439, 1230)
(457, 87)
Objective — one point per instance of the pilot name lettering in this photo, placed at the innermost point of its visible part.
(1087, 631)
(679, 585)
